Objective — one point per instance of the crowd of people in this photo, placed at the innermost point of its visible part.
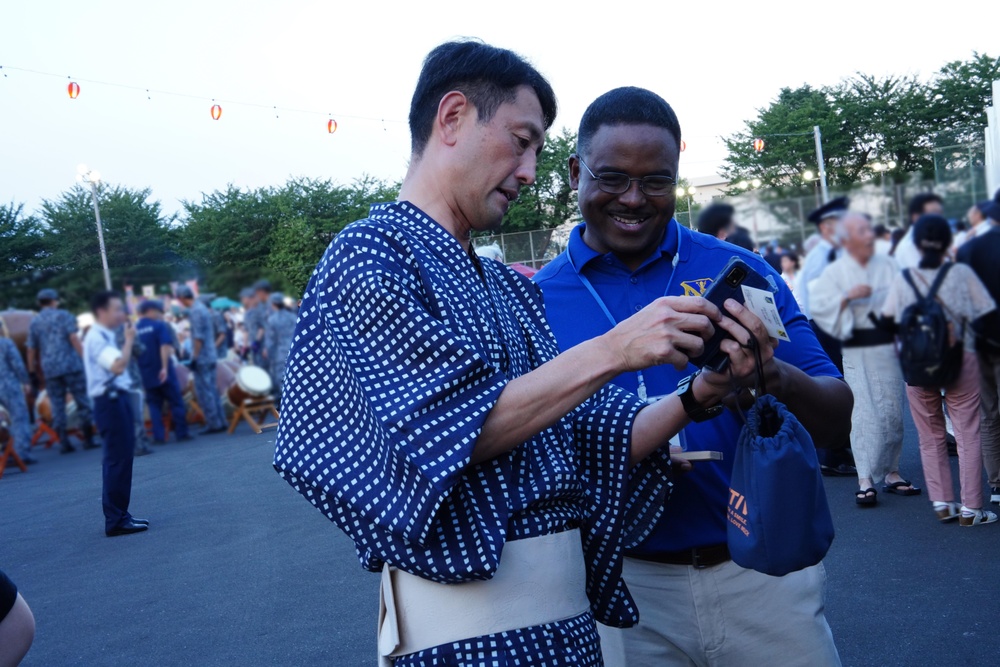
(143, 354)
(496, 446)
(854, 288)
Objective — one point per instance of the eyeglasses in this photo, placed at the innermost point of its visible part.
(615, 183)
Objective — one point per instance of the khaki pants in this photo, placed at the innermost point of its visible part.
(722, 616)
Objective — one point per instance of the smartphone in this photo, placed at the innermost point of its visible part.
(728, 285)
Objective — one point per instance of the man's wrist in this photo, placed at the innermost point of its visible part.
(705, 393)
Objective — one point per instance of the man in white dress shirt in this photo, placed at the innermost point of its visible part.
(906, 253)
(108, 385)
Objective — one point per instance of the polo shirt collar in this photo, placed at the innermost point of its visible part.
(581, 254)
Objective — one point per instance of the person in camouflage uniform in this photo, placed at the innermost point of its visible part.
(14, 384)
(54, 353)
(278, 334)
(256, 320)
(135, 395)
(203, 361)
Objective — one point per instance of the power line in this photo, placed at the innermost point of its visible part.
(151, 91)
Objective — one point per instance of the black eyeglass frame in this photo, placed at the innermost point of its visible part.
(611, 190)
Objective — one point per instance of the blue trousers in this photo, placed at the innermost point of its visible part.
(168, 392)
(117, 427)
(58, 387)
(208, 395)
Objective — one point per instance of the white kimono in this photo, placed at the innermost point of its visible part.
(872, 372)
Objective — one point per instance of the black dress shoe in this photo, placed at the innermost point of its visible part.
(842, 470)
(91, 445)
(29, 460)
(186, 438)
(141, 522)
(127, 529)
(142, 451)
(210, 431)
(67, 448)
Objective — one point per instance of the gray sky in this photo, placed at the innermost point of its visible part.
(715, 62)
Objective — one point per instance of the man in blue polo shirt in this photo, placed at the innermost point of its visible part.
(696, 606)
(159, 379)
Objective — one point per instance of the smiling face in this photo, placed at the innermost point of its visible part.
(492, 161)
(631, 224)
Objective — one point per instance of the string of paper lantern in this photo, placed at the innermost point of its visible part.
(73, 90)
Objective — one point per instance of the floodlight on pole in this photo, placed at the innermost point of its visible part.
(92, 178)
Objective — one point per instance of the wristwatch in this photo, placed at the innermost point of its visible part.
(695, 412)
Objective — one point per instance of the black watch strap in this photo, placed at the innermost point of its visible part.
(695, 411)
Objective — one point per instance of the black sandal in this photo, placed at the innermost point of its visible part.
(897, 488)
(862, 498)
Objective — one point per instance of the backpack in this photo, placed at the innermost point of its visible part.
(926, 356)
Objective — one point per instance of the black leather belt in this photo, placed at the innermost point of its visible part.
(869, 338)
(699, 558)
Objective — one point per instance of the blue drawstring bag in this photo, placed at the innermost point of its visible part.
(778, 518)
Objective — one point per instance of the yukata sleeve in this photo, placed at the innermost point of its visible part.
(623, 503)
(383, 403)
(824, 305)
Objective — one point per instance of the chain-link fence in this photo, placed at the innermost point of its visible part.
(534, 249)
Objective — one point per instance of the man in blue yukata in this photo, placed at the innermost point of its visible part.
(427, 412)
(697, 607)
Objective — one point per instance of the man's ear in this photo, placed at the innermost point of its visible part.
(454, 110)
(574, 172)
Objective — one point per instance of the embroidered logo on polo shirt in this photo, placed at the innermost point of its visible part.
(696, 287)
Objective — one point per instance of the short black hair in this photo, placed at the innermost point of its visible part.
(880, 230)
(932, 236)
(101, 300)
(741, 238)
(626, 106)
(715, 217)
(488, 76)
(921, 200)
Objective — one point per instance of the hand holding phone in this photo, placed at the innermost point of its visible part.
(727, 285)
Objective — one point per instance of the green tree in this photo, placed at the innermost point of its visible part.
(311, 213)
(23, 242)
(786, 126)
(959, 94)
(139, 240)
(229, 235)
(549, 201)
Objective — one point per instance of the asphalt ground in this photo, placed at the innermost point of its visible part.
(238, 569)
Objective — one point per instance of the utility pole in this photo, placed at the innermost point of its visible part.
(820, 163)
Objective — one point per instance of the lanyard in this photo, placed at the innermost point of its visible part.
(641, 391)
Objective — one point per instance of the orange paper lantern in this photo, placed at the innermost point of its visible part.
(73, 89)
(758, 145)
(331, 126)
(216, 112)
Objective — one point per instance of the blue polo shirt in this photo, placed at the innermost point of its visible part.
(685, 264)
(153, 334)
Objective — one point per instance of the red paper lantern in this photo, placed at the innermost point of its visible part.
(73, 89)
(216, 112)
(758, 145)
(331, 126)
(684, 145)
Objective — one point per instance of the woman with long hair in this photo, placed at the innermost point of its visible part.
(963, 298)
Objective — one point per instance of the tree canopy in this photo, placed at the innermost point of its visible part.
(864, 120)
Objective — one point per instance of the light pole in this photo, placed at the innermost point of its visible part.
(86, 175)
(881, 168)
(748, 185)
(688, 191)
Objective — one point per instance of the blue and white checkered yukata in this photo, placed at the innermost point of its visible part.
(403, 345)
